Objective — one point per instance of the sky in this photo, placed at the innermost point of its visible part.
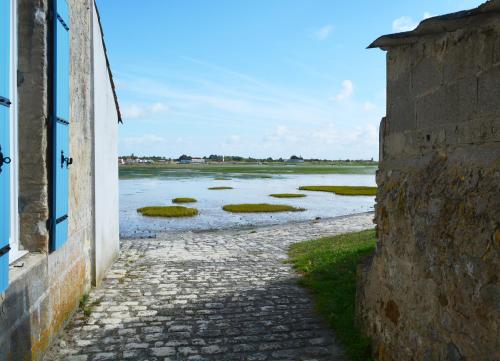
(254, 78)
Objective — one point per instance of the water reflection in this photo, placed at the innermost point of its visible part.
(140, 192)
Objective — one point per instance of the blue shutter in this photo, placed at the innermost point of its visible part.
(4, 143)
(61, 159)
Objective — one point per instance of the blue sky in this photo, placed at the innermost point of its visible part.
(254, 78)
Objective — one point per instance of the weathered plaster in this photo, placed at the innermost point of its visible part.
(106, 238)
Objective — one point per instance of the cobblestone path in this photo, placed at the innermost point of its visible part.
(223, 295)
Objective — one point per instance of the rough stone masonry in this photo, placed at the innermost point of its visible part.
(223, 295)
(431, 290)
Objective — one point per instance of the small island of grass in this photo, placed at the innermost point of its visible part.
(222, 178)
(287, 195)
(184, 200)
(343, 190)
(219, 188)
(168, 211)
(260, 208)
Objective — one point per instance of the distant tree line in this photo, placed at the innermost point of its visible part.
(235, 158)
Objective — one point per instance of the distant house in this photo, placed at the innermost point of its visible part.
(59, 120)
(295, 159)
(197, 160)
(184, 159)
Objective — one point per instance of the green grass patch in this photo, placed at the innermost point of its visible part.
(87, 307)
(168, 211)
(222, 178)
(219, 188)
(343, 190)
(238, 170)
(328, 266)
(287, 195)
(184, 200)
(260, 208)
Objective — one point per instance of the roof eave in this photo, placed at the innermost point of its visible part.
(110, 73)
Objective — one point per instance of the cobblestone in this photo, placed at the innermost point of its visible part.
(216, 296)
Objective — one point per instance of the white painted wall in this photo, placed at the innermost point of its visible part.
(107, 240)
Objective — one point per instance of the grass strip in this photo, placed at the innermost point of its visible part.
(219, 188)
(260, 208)
(328, 268)
(184, 200)
(343, 190)
(168, 211)
(287, 195)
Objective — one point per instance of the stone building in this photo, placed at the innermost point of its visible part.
(431, 290)
(59, 175)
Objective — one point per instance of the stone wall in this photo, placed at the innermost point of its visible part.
(430, 292)
(45, 288)
(33, 124)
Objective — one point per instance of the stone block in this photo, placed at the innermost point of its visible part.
(400, 115)
(427, 70)
(398, 74)
(452, 103)
(488, 90)
(468, 53)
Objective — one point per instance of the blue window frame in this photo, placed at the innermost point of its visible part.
(61, 160)
(5, 186)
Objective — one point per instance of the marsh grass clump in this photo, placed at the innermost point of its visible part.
(168, 211)
(87, 307)
(343, 190)
(328, 268)
(219, 188)
(287, 195)
(222, 178)
(260, 208)
(184, 200)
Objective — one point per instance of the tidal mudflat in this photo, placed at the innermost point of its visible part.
(159, 190)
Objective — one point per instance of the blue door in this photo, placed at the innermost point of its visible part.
(4, 143)
(61, 157)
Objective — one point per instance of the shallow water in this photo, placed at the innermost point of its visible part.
(140, 192)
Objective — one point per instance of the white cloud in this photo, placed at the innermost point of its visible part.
(238, 114)
(369, 106)
(324, 32)
(143, 139)
(404, 23)
(346, 91)
(158, 108)
(330, 140)
(428, 15)
(282, 135)
(233, 140)
(139, 111)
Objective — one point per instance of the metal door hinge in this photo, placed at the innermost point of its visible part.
(3, 160)
(65, 160)
(4, 250)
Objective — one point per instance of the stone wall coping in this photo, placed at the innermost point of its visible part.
(440, 24)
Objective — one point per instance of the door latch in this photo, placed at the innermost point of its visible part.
(65, 160)
(3, 160)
